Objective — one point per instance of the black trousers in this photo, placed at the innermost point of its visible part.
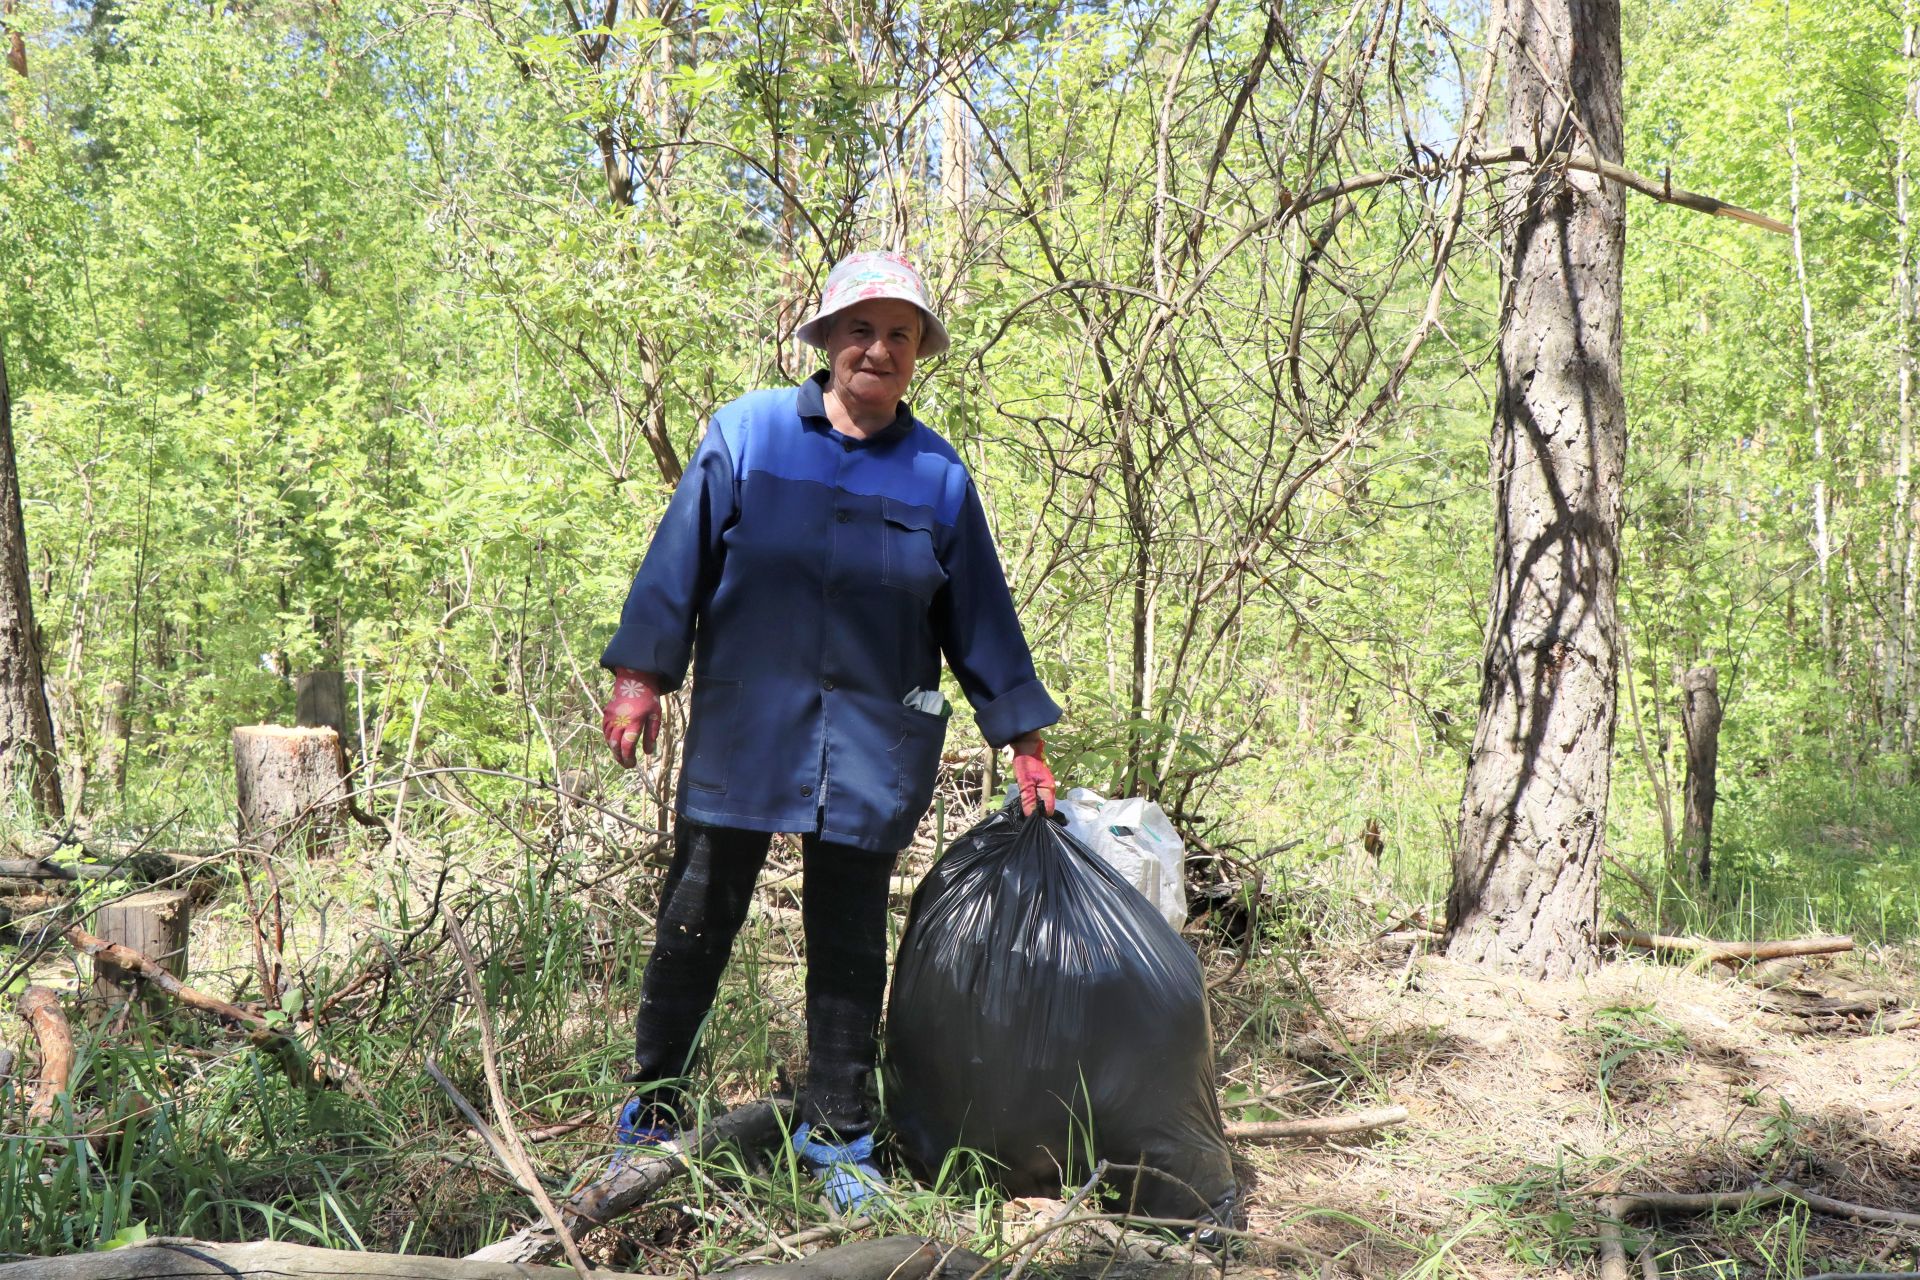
(702, 906)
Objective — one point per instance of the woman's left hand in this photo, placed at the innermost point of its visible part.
(1031, 772)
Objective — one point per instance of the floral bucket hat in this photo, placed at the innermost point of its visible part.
(861, 276)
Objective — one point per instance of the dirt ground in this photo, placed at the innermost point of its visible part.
(1530, 1099)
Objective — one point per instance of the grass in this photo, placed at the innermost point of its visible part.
(234, 1148)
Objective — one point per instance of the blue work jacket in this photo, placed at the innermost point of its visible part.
(813, 581)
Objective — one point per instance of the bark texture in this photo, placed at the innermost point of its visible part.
(27, 760)
(1526, 874)
(155, 925)
(1700, 718)
(40, 1006)
(290, 783)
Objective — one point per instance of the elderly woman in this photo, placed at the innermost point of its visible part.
(822, 552)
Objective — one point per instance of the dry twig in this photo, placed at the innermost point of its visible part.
(514, 1150)
(1317, 1127)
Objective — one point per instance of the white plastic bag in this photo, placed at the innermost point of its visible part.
(1134, 837)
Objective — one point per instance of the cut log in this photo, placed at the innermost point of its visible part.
(40, 1006)
(890, 1258)
(154, 925)
(1730, 952)
(1700, 719)
(626, 1189)
(291, 785)
(894, 1258)
(268, 1260)
(1317, 1127)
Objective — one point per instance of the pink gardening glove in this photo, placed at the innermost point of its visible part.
(632, 714)
(1031, 772)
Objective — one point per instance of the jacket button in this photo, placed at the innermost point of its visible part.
(806, 791)
(833, 593)
(841, 517)
(827, 685)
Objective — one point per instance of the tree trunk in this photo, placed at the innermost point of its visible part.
(320, 701)
(27, 759)
(290, 782)
(1816, 421)
(113, 735)
(16, 59)
(1907, 539)
(1526, 874)
(1700, 718)
(156, 925)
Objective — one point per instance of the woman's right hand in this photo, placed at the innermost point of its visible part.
(631, 715)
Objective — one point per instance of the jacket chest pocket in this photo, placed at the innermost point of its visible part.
(908, 561)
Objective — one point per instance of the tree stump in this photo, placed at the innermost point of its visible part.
(156, 925)
(291, 784)
(1700, 718)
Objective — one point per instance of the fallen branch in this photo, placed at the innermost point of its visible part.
(169, 1257)
(1613, 1251)
(889, 1258)
(1657, 1202)
(40, 1006)
(1729, 952)
(477, 1123)
(636, 1180)
(792, 1243)
(513, 1151)
(1318, 1127)
(323, 1068)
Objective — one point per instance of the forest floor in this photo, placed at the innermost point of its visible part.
(1529, 1101)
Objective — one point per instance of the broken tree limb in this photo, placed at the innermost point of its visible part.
(167, 1258)
(510, 1144)
(1657, 1202)
(477, 1123)
(1317, 1127)
(636, 1180)
(889, 1258)
(130, 961)
(1613, 1250)
(1729, 952)
(40, 1006)
(323, 1069)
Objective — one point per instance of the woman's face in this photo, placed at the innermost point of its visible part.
(870, 351)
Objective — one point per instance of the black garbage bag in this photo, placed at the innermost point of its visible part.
(1045, 1014)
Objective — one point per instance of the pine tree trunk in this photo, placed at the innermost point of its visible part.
(1526, 874)
(27, 759)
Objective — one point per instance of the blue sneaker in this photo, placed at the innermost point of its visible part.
(638, 1133)
(848, 1175)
